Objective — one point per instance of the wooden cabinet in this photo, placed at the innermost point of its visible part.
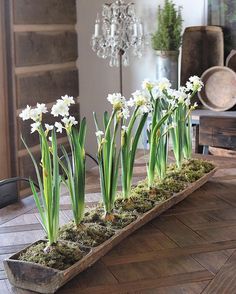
(42, 54)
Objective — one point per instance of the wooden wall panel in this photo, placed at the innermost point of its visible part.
(43, 49)
(44, 11)
(46, 86)
(33, 48)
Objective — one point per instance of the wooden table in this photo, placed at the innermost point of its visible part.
(196, 114)
(189, 249)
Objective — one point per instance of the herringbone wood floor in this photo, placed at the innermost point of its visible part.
(189, 249)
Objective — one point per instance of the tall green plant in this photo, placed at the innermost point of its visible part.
(156, 131)
(74, 170)
(108, 152)
(181, 118)
(49, 180)
(130, 138)
(73, 164)
(168, 34)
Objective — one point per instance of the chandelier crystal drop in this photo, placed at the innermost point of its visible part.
(118, 32)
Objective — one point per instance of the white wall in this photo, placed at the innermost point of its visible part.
(96, 78)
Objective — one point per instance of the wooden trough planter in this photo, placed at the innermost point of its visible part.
(42, 279)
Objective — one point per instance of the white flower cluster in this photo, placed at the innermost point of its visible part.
(34, 114)
(119, 103)
(142, 100)
(61, 108)
(162, 88)
(159, 85)
(194, 84)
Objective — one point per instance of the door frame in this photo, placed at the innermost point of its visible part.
(5, 170)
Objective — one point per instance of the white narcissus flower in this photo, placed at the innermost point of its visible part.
(48, 127)
(125, 128)
(117, 100)
(145, 109)
(68, 100)
(41, 108)
(35, 126)
(125, 113)
(131, 102)
(69, 121)
(163, 84)
(180, 96)
(194, 84)
(60, 108)
(25, 114)
(99, 133)
(34, 114)
(140, 98)
(59, 127)
(147, 85)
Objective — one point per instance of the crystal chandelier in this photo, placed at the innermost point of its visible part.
(117, 33)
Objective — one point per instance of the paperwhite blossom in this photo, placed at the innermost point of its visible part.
(140, 98)
(180, 96)
(35, 126)
(194, 84)
(68, 100)
(145, 109)
(125, 128)
(131, 102)
(117, 100)
(60, 108)
(147, 85)
(99, 133)
(59, 127)
(163, 84)
(69, 121)
(48, 127)
(25, 114)
(34, 113)
(41, 108)
(195, 105)
(125, 112)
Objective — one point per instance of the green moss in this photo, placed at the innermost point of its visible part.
(134, 203)
(90, 235)
(121, 219)
(171, 185)
(58, 256)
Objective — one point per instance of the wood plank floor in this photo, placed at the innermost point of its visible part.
(189, 249)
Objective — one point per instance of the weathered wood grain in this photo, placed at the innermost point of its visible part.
(44, 11)
(34, 48)
(46, 86)
(218, 131)
(225, 280)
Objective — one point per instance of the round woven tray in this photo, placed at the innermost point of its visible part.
(219, 91)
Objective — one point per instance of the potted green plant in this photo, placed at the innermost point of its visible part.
(166, 41)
